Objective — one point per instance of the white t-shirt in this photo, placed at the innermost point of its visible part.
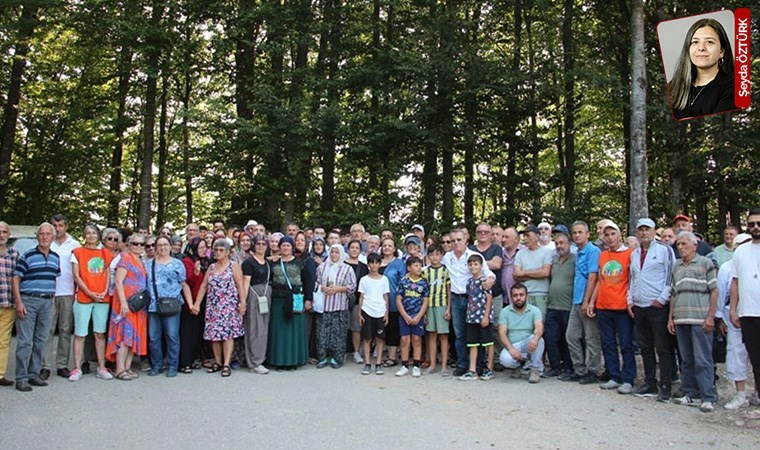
(373, 302)
(746, 269)
(64, 284)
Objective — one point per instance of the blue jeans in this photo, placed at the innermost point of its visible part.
(458, 318)
(697, 374)
(616, 328)
(159, 327)
(32, 333)
(555, 327)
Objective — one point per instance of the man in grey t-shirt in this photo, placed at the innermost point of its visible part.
(533, 266)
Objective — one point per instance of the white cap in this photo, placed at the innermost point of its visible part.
(419, 227)
(251, 223)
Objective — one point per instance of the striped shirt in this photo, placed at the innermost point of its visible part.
(692, 284)
(8, 263)
(38, 272)
(439, 281)
(343, 276)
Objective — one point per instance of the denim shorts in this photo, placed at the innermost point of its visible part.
(82, 314)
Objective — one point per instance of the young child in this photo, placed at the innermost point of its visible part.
(412, 302)
(439, 309)
(374, 290)
(479, 318)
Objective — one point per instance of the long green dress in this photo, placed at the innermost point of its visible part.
(288, 344)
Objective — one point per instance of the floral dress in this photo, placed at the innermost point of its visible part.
(223, 320)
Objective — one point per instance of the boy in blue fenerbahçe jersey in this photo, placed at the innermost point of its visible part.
(412, 302)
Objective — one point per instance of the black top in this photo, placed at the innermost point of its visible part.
(714, 97)
(257, 271)
(492, 251)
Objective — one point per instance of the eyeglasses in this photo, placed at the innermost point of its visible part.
(483, 231)
(112, 239)
(261, 243)
(220, 250)
(753, 224)
(137, 244)
(446, 242)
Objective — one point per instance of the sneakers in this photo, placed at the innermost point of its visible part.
(322, 364)
(402, 371)
(535, 376)
(682, 398)
(754, 400)
(645, 391)
(625, 389)
(358, 358)
(260, 369)
(609, 385)
(487, 375)
(664, 394)
(103, 374)
(569, 376)
(589, 378)
(468, 376)
(458, 372)
(707, 407)
(75, 375)
(335, 364)
(552, 373)
(379, 369)
(516, 373)
(739, 400)
(416, 372)
(367, 369)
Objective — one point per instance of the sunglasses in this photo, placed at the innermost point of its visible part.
(150, 245)
(137, 244)
(112, 239)
(753, 224)
(446, 242)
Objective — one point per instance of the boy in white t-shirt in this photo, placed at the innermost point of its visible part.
(374, 291)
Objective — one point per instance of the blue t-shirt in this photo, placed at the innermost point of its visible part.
(412, 294)
(394, 272)
(586, 262)
(169, 279)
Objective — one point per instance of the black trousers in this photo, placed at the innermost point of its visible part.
(652, 331)
(751, 338)
(190, 336)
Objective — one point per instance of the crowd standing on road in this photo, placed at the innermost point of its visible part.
(227, 297)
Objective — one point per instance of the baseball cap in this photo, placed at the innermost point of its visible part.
(530, 229)
(742, 238)
(612, 225)
(645, 222)
(417, 226)
(251, 223)
(412, 239)
(560, 229)
(681, 217)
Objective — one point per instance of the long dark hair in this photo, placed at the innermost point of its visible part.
(685, 73)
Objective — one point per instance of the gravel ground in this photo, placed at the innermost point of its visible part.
(331, 408)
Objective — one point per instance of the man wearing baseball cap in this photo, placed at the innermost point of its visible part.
(649, 291)
(533, 266)
(682, 222)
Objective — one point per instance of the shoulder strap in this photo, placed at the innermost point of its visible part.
(153, 277)
(285, 272)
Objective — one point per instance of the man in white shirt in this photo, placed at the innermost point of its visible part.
(63, 312)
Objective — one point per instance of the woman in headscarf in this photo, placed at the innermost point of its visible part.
(287, 346)
(244, 248)
(193, 313)
(274, 246)
(336, 281)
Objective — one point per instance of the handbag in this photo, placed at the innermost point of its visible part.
(318, 304)
(138, 301)
(298, 306)
(165, 306)
(263, 300)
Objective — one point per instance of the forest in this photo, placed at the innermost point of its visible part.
(388, 112)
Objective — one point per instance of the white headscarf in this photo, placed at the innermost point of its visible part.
(331, 268)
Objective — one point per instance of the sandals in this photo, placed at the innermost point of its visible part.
(226, 371)
(125, 376)
(389, 363)
(214, 368)
(186, 369)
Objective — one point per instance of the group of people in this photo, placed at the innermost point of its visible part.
(506, 299)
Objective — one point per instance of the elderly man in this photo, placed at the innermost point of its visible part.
(582, 330)
(533, 266)
(682, 222)
(521, 333)
(559, 306)
(745, 295)
(651, 266)
(692, 320)
(291, 230)
(456, 263)
(668, 236)
(63, 305)
(545, 235)
(610, 303)
(8, 260)
(34, 286)
(725, 251)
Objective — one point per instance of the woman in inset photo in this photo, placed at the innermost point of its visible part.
(703, 80)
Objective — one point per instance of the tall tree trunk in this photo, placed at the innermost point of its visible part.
(153, 55)
(639, 206)
(472, 73)
(187, 89)
(513, 147)
(445, 102)
(26, 26)
(534, 145)
(568, 59)
(163, 152)
(328, 53)
(115, 194)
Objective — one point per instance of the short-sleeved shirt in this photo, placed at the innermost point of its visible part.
(746, 268)
(64, 284)
(614, 273)
(373, 292)
(38, 272)
(561, 285)
(519, 326)
(7, 266)
(169, 279)
(530, 260)
(490, 253)
(439, 281)
(412, 293)
(586, 262)
(259, 273)
(692, 283)
(477, 298)
(93, 270)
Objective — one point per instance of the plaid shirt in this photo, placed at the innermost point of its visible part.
(7, 266)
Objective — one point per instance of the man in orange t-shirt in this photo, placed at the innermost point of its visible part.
(610, 302)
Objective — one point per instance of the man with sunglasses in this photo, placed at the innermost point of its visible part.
(745, 296)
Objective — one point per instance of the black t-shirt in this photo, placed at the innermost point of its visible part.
(360, 270)
(492, 251)
(716, 96)
(257, 271)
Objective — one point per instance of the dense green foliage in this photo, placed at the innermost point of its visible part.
(332, 111)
